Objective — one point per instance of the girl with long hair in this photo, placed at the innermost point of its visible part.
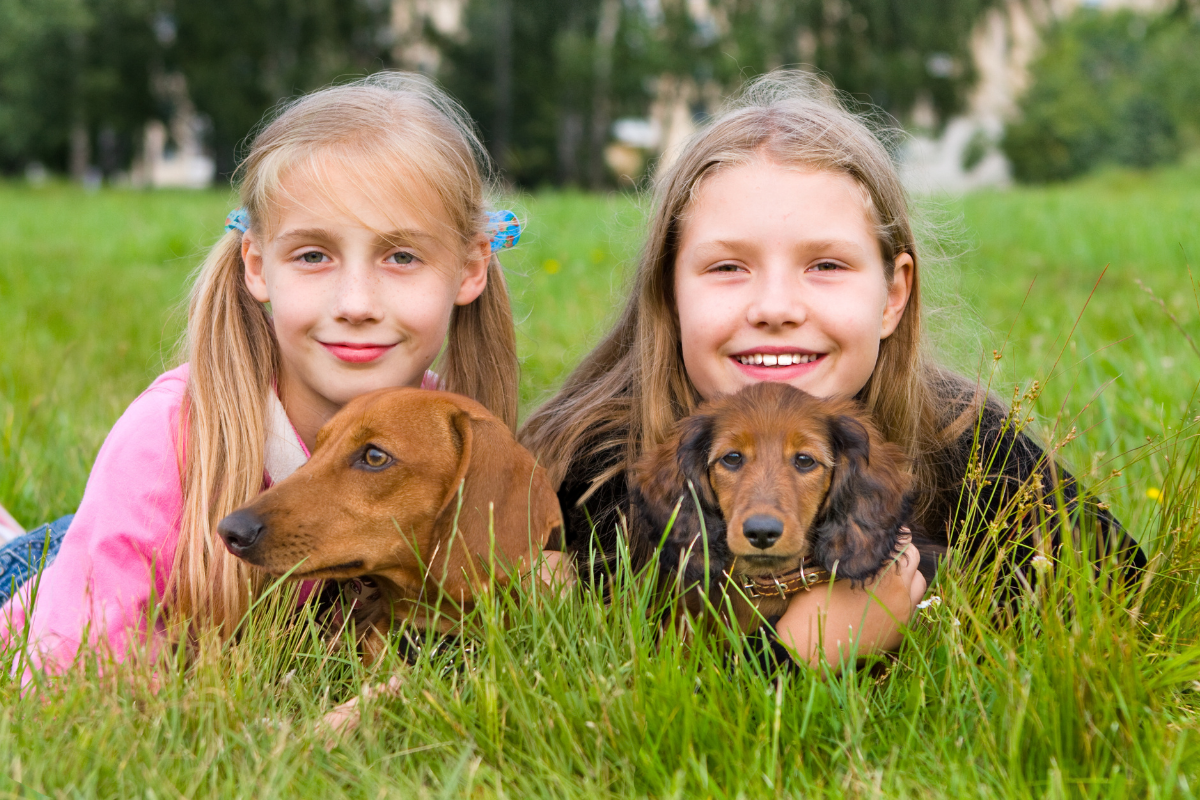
(781, 249)
(362, 253)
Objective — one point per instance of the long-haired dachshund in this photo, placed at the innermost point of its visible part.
(426, 492)
(772, 490)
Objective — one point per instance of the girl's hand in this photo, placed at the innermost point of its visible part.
(557, 570)
(841, 622)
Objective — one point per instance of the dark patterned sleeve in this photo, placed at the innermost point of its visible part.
(594, 527)
(1012, 503)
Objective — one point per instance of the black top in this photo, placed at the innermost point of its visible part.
(973, 510)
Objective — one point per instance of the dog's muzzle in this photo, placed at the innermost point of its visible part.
(241, 530)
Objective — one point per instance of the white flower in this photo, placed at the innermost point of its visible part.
(933, 601)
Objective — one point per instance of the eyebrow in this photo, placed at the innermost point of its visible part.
(389, 239)
(808, 245)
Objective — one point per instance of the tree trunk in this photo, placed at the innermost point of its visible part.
(502, 127)
(606, 38)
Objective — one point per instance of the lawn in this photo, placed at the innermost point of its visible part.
(1087, 694)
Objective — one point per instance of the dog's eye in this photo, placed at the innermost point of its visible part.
(804, 462)
(375, 458)
(732, 460)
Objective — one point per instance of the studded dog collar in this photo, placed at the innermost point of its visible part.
(804, 577)
(785, 585)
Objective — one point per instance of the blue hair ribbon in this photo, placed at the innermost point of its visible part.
(505, 230)
(238, 220)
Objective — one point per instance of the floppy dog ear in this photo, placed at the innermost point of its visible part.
(858, 524)
(664, 479)
(497, 523)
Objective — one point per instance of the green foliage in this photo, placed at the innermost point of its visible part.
(886, 52)
(241, 57)
(98, 66)
(1118, 88)
(73, 63)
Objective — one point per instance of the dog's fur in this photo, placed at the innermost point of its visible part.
(843, 512)
(420, 525)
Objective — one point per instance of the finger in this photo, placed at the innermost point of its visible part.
(908, 561)
(917, 589)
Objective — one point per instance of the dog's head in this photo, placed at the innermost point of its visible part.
(425, 490)
(779, 476)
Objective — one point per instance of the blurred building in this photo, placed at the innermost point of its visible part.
(965, 153)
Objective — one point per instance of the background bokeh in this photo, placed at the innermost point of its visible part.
(592, 92)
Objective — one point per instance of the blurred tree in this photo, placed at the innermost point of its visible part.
(241, 57)
(80, 78)
(1118, 88)
(70, 70)
(577, 64)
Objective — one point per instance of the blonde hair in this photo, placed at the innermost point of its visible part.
(628, 393)
(384, 132)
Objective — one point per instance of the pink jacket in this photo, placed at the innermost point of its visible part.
(119, 549)
(117, 555)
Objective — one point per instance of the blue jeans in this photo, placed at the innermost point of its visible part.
(24, 556)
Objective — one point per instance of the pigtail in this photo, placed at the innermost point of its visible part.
(481, 349)
(233, 361)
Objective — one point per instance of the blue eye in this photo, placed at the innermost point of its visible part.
(402, 257)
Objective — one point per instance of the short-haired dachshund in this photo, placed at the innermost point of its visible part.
(425, 492)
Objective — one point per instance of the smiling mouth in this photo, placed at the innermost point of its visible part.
(357, 353)
(776, 359)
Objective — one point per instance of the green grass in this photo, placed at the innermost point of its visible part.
(1086, 695)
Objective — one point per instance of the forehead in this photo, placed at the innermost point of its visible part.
(332, 190)
(764, 434)
(763, 200)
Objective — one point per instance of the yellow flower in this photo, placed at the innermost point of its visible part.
(1153, 494)
(551, 266)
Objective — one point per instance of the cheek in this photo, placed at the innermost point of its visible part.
(425, 309)
(294, 308)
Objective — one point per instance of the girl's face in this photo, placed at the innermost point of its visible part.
(360, 294)
(779, 277)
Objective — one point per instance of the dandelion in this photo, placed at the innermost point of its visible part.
(1154, 494)
(551, 266)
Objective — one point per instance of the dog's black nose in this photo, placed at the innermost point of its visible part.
(763, 530)
(241, 530)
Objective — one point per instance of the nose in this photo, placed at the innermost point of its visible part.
(356, 299)
(241, 530)
(777, 302)
(763, 530)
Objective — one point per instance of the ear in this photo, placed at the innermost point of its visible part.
(474, 272)
(900, 289)
(858, 525)
(665, 479)
(252, 257)
(508, 511)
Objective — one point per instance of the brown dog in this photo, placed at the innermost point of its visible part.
(788, 488)
(426, 492)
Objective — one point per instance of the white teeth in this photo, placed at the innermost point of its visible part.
(783, 360)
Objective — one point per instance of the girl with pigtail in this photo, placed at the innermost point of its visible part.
(363, 249)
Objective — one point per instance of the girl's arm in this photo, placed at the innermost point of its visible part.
(120, 546)
(839, 623)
